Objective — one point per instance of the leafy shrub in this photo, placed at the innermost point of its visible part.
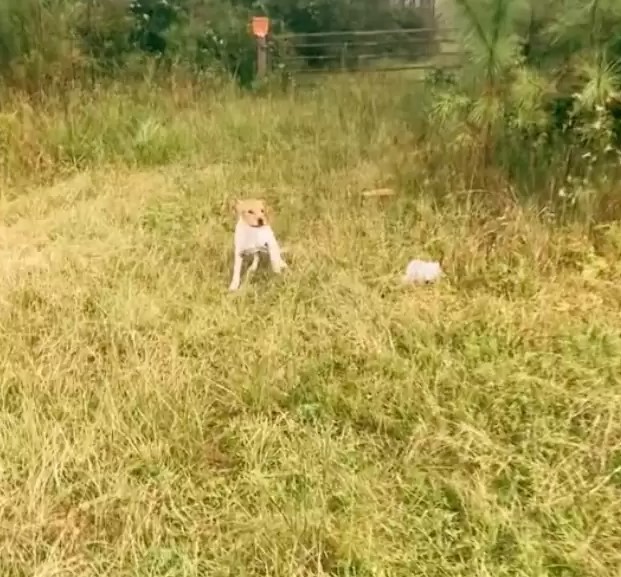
(538, 97)
(41, 41)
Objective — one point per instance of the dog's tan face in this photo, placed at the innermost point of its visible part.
(252, 211)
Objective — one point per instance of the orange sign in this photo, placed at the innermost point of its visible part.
(260, 26)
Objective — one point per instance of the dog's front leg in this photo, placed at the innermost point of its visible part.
(237, 266)
(276, 258)
(273, 250)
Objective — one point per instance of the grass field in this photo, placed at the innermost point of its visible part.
(330, 422)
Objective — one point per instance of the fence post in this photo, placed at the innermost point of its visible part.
(344, 56)
(261, 57)
(260, 30)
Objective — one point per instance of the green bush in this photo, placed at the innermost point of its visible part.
(540, 90)
(61, 40)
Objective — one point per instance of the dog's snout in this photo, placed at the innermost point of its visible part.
(260, 221)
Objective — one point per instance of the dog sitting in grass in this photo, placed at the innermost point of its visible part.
(254, 236)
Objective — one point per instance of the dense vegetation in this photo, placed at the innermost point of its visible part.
(538, 95)
(331, 422)
(57, 37)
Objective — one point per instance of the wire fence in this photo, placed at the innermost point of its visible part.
(364, 50)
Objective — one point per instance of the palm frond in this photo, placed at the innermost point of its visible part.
(602, 79)
(491, 33)
(473, 22)
(527, 98)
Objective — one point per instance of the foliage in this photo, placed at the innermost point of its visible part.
(104, 36)
(516, 101)
(540, 87)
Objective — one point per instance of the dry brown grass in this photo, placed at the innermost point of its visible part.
(327, 423)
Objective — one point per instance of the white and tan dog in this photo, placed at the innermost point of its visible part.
(253, 236)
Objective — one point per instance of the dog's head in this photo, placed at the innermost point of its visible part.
(252, 211)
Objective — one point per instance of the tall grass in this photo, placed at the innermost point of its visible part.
(330, 422)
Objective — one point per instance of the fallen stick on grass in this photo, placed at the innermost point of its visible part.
(378, 192)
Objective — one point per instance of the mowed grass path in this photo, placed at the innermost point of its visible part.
(331, 422)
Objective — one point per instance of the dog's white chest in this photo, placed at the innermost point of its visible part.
(252, 240)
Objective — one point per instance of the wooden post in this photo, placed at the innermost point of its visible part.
(261, 57)
(260, 30)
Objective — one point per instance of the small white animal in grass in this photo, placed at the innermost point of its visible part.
(253, 237)
(420, 271)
